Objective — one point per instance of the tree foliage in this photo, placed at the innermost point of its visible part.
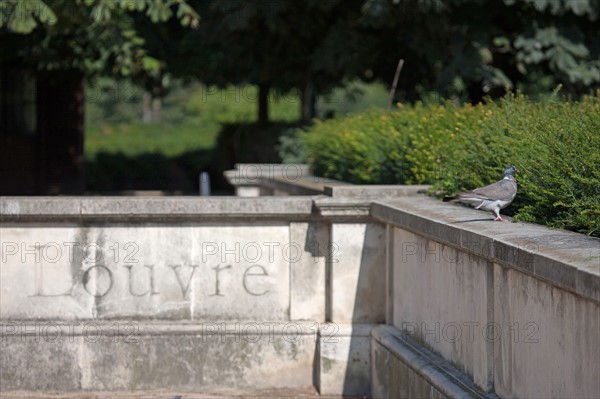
(476, 48)
(278, 45)
(93, 37)
(463, 48)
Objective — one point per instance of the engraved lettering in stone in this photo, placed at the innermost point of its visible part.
(39, 282)
(248, 273)
(103, 284)
(151, 290)
(217, 269)
(184, 289)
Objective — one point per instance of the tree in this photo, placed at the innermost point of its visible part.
(306, 46)
(91, 36)
(474, 48)
(62, 43)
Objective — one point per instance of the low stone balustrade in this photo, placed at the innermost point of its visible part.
(355, 290)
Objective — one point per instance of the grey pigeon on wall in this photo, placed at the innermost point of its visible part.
(492, 197)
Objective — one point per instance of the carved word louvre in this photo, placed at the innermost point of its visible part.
(98, 280)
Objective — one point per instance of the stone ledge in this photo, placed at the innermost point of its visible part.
(309, 392)
(187, 361)
(562, 258)
(373, 191)
(346, 330)
(274, 179)
(302, 186)
(164, 394)
(342, 207)
(436, 371)
(251, 174)
(149, 208)
(49, 330)
(354, 202)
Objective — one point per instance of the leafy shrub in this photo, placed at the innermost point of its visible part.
(555, 145)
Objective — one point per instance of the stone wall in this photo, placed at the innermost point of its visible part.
(194, 294)
(514, 307)
(358, 290)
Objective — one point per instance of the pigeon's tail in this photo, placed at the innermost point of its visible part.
(448, 199)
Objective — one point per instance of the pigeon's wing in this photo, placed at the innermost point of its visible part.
(503, 190)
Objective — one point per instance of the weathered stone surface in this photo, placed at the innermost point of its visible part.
(344, 353)
(41, 271)
(405, 369)
(106, 356)
(447, 274)
(545, 339)
(273, 393)
(565, 259)
(357, 259)
(488, 318)
(441, 297)
(376, 192)
(252, 180)
(119, 209)
(158, 272)
(342, 208)
(308, 272)
(294, 186)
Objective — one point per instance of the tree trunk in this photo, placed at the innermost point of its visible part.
(308, 102)
(263, 104)
(60, 116)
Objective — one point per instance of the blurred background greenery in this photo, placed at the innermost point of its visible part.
(153, 92)
(123, 152)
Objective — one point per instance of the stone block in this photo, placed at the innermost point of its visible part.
(545, 339)
(344, 356)
(226, 272)
(308, 271)
(441, 298)
(405, 369)
(357, 261)
(179, 357)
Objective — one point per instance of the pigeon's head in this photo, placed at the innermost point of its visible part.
(510, 171)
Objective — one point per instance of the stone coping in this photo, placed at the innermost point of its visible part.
(438, 372)
(251, 174)
(309, 185)
(137, 328)
(562, 258)
(274, 393)
(293, 179)
(19, 209)
(209, 328)
(373, 191)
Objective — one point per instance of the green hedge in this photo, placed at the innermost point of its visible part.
(554, 144)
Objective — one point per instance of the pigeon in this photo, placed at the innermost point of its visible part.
(492, 197)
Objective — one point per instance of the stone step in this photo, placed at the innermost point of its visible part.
(270, 394)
